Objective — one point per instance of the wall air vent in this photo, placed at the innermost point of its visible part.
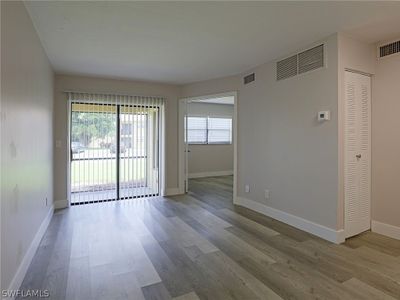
(389, 49)
(286, 68)
(311, 59)
(249, 78)
(299, 63)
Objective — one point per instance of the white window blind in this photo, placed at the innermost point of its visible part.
(209, 130)
(197, 130)
(219, 131)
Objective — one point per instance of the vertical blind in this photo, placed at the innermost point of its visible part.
(115, 149)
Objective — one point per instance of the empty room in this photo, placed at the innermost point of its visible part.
(200, 150)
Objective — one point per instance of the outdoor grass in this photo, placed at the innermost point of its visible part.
(97, 172)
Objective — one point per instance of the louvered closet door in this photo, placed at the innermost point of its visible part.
(357, 153)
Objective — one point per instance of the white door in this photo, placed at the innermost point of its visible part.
(357, 170)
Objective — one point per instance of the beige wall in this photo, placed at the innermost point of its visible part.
(210, 87)
(26, 137)
(210, 158)
(385, 141)
(99, 85)
(281, 146)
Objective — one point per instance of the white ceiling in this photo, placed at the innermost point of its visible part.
(182, 42)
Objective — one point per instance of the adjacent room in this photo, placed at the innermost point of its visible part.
(208, 143)
(200, 150)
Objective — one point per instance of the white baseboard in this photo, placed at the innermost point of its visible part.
(386, 229)
(173, 192)
(26, 261)
(329, 234)
(61, 204)
(210, 174)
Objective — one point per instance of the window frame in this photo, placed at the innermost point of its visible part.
(207, 129)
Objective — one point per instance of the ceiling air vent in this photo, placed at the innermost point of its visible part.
(249, 78)
(311, 59)
(389, 49)
(286, 68)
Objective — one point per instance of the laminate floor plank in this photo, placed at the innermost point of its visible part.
(201, 246)
(357, 268)
(189, 296)
(367, 291)
(156, 291)
(200, 277)
(276, 225)
(171, 275)
(79, 284)
(375, 241)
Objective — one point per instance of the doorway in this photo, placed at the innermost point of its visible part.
(357, 153)
(114, 151)
(207, 138)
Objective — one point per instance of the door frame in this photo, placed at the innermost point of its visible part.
(342, 147)
(182, 155)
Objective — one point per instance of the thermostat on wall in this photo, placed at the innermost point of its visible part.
(324, 115)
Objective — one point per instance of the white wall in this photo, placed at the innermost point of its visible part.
(26, 140)
(209, 159)
(386, 142)
(91, 84)
(211, 87)
(281, 146)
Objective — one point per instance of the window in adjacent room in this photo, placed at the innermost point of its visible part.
(209, 130)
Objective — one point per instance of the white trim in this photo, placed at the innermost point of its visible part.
(181, 154)
(386, 229)
(173, 192)
(162, 152)
(329, 234)
(235, 146)
(64, 203)
(181, 144)
(26, 261)
(210, 174)
(68, 143)
(357, 72)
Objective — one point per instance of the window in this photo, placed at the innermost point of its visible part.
(197, 130)
(219, 131)
(126, 129)
(209, 130)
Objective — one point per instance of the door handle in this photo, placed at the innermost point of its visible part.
(358, 156)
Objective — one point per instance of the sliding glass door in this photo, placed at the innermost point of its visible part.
(114, 151)
(138, 160)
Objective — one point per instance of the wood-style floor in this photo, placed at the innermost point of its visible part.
(199, 246)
